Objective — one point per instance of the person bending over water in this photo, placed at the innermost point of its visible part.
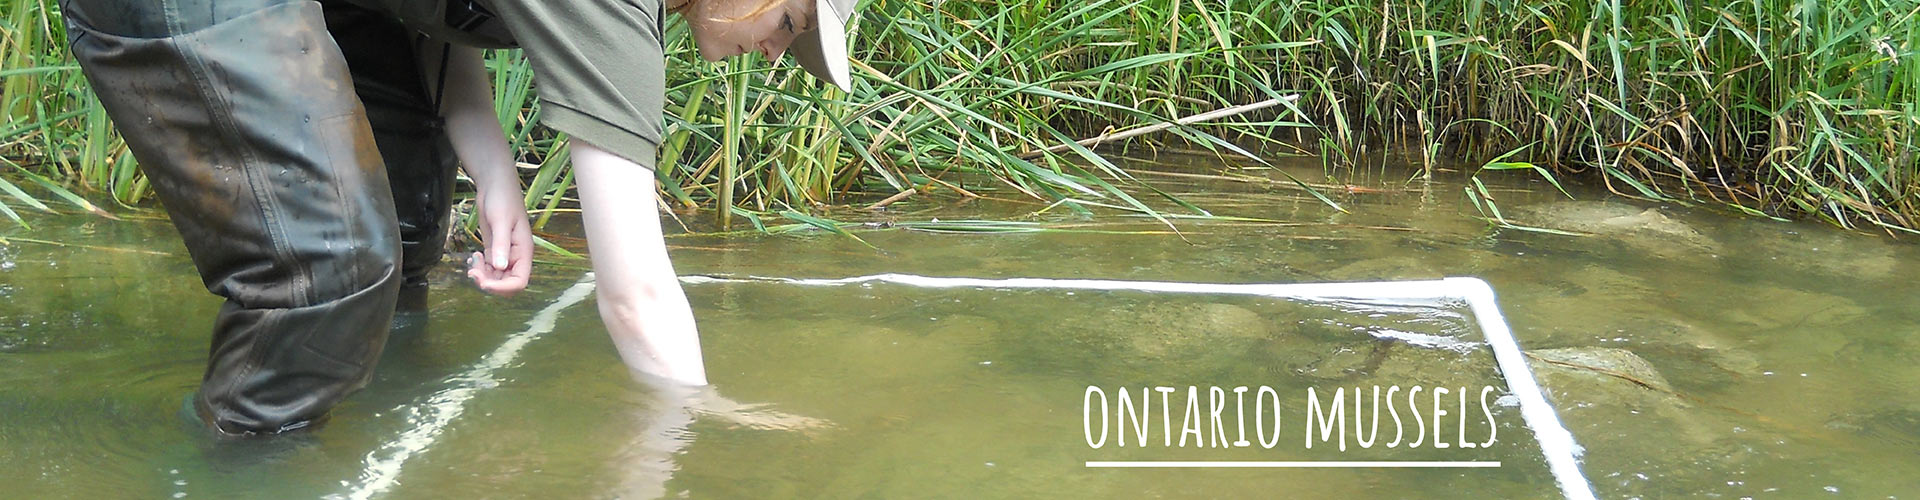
(304, 150)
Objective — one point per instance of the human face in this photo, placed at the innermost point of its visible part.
(726, 28)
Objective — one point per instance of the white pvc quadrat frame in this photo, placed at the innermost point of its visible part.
(1556, 443)
(433, 414)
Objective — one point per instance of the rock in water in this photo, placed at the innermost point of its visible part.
(1646, 229)
(1655, 221)
(1392, 267)
(1898, 424)
(1768, 308)
(1623, 425)
(1601, 362)
(1230, 320)
(1617, 389)
(1172, 328)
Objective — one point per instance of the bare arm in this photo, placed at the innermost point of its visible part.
(640, 299)
(641, 303)
(467, 105)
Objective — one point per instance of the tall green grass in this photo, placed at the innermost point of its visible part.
(1784, 106)
(1778, 106)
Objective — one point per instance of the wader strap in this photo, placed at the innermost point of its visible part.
(474, 19)
(440, 84)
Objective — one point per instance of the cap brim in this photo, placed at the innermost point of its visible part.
(823, 50)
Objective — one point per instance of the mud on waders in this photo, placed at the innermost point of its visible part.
(244, 115)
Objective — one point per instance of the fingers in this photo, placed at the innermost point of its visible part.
(507, 266)
(519, 254)
(522, 252)
(501, 282)
(506, 263)
(501, 241)
(482, 274)
(477, 268)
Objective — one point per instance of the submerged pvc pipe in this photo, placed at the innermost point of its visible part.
(1554, 438)
(1556, 443)
(440, 409)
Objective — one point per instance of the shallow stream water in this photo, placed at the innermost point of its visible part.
(1690, 353)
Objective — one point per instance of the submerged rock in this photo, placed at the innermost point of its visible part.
(1319, 360)
(1899, 424)
(1690, 341)
(1408, 366)
(1392, 267)
(1587, 304)
(1162, 329)
(1316, 344)
(1226, 319)
(1595, 304)
(1621, 400)
(1603, 364)
(1768, 307)
(1646, 229)
(1652, 220)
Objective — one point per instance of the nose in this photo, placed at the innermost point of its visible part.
(774, 49)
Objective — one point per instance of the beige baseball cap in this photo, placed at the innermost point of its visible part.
(823, 50)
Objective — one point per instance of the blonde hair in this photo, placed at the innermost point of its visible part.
(765, 5)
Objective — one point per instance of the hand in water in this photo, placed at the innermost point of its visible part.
(725, 28)
(647, 462)
(752, 416)
(507, 263)
(704, 401)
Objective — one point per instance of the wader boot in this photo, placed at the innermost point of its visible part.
(391, 81)
(243, 115)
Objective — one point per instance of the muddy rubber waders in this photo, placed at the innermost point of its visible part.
(243, 114)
